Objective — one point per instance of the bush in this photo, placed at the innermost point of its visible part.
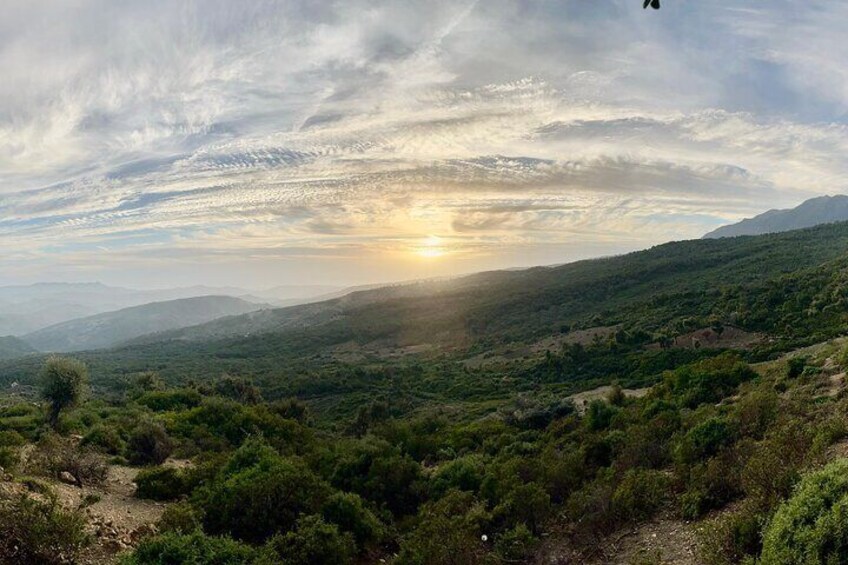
(104, 438)
(708, 381)
(149, 444)
(218, 424)
(377, 472)
(161, 483)
(195, 548)
(795, 367)
(640, 494)
(517, 544)
(237, 389)
(54, 455)
(170, 400)
(810, 526)
(348, 512)
(34, 531)
(705, 440)
(313, 541)
(259, 494)
(599, 415)
(714, 483)
(179, 518)
(448, 532)
(526, 504)
(63, 383)
(10, 442)
(465, 473)
(732, 537)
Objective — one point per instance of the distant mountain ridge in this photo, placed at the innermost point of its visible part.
(113, 328)
(813, 212)
(27, 308)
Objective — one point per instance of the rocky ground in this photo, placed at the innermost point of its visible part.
(117, 520)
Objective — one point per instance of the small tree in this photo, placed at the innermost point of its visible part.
(63, 383)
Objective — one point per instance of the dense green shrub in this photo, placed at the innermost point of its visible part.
(39, 531)
(259, 494)
(465, 473)
(449, 531)
(313, 541)
(536, 411)
(516, 544)
(237, 389)
(705, 440)
(795, 367)
(161, 483)
(810, 527)
(104, 438)
(149, 444)
(708, 381)
(195, 548)
(218, 424)
(170, 400)
(599, 415)
(349, 513)
(179, 518)
(640, 494)
(732, 537)
(10, 442)
(378, 472)
(526, 504)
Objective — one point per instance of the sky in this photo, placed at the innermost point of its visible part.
(156, 143)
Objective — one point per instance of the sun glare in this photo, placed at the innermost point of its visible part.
(431, 247)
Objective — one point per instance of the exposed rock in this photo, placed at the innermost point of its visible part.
(68, 478)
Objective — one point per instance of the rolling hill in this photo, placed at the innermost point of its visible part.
(12, 348)
(822, 210)
(27, 308)
(112, 328)
(787, 286)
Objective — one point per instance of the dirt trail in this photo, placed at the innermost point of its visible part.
(116, 519)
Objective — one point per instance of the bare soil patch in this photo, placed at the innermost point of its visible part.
(582, 399)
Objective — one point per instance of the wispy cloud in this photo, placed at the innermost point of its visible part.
(317, 138)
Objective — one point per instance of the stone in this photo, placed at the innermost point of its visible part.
(67, 478)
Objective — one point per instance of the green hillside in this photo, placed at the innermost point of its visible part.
(12, 347)
(427, 338)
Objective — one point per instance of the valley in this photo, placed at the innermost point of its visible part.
(623, 410)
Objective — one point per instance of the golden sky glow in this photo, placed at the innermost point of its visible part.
(244, 143)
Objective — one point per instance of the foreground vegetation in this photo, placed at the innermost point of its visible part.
(717, 441)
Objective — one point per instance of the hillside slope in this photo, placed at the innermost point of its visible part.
(788, 286)
(813, 212)
(523, 305)
(112, 328)
(12, 348)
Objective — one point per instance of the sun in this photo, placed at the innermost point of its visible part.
(431, 247)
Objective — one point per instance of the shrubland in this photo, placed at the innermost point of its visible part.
(717, 440)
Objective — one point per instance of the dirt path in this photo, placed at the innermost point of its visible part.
(116, 519)
(664, 540)
(583, 399)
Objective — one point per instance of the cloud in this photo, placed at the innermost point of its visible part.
(303, 137)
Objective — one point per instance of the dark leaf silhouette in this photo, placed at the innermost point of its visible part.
(655, 4)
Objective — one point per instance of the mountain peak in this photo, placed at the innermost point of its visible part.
(812, 212)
